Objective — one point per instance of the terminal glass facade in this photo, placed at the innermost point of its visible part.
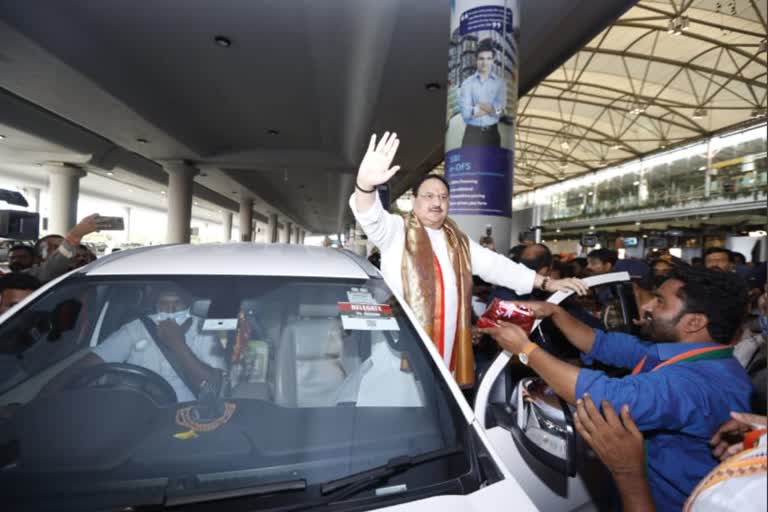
(725, 167)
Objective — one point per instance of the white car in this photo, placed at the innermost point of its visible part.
(328, 395)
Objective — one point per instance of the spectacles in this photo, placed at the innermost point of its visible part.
(430, 196)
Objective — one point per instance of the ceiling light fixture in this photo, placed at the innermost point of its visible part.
(110, 173)
(763, 47)
(433, 86)
(602, 163)
(617, 147)
(197, 204)
(162, 192)
(142, 141)
(565, 145)
(592, 227)
(2, 137)
(678, 25)
(637, 109)
(636, 183)
(273, 132)
(563, 164)
(222, 41)
(757, 112)
(557, 230)
(699, 113)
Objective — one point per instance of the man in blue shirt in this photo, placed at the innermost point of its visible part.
(483, 97)
(684, 381)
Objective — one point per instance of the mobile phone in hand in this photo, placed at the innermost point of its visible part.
(110, 223)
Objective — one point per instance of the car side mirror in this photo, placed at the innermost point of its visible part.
(543, 423)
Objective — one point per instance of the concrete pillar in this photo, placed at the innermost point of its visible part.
(33, 198)
(287, 232)
(127, 223)
(226, 225)
(272, 229)
(480, 139)
(181, 177)
(301, 236)
(63, 192)
(246, 219)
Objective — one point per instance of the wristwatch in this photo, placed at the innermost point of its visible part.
(527, 350)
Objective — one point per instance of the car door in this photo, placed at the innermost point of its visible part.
(548, 485)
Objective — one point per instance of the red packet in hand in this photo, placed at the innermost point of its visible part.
(507, 311)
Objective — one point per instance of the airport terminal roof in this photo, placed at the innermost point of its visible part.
(664, 73)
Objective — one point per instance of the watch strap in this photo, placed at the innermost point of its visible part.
(529, 348)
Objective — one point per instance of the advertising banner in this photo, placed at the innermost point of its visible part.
(482, 103)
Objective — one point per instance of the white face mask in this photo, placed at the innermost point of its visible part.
(179, 316)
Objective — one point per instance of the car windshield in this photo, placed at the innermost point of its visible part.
(197, 383)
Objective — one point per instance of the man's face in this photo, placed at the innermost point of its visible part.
(431, 203)
(18, 260)
(49, 246)
(10, 297)
(597, 266)
(82, 257)
(170, 302)
(530, 257)
(718, 260)
(662, 314)
(484, 62)
(661, 268)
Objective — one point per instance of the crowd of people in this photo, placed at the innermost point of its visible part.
(683, 374)
(660, 399)
(31, 266)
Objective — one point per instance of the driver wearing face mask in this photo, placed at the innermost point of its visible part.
(197, 358)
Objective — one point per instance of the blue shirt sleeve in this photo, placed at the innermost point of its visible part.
(465, 100)
(617, 349)
(668, 400)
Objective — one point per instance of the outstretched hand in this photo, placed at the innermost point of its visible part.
(567, 285)
(375, 168)
(86, 226)
(617, 441)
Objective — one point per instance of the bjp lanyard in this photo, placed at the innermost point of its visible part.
(697, 354)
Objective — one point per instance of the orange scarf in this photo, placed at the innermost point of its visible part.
(422, 288)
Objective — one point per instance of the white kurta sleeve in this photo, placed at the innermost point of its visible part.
(500, 270)
(380, 226)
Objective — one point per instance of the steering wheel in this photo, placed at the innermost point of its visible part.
(125, 376)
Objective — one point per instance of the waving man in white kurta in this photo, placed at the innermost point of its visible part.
(430, 261)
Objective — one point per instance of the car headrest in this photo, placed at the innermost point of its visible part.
(200, 308)
(319, 310)
(317, 338)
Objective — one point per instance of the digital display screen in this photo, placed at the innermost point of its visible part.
(630, 241)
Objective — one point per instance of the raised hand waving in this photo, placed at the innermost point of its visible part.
(375, 168)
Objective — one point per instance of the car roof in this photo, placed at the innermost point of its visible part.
(246, 259)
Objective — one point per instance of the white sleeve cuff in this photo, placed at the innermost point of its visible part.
(371, 214)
